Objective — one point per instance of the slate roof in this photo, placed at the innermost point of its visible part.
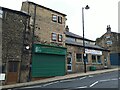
(86, 46)
(15, 11)
(70, 34)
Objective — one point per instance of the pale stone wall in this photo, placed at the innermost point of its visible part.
(44, 26)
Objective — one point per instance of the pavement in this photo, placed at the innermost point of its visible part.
(57, 78)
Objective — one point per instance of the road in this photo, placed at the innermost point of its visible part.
(105, 80)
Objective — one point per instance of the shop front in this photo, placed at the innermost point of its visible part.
(94, 59)
(48, 61)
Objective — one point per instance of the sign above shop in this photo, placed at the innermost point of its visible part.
(95, 52)
(39, 48)
(2, 76)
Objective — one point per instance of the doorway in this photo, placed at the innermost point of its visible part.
(69, 62)
(13, 71)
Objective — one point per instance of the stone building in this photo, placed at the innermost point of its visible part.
(48, 57)
(95, 56)
(15, 40)
(111, 40)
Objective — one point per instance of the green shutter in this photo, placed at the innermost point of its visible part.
(48, 64)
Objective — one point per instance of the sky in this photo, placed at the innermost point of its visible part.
(96, 19)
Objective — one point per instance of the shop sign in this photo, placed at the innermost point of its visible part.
(90, 51)
(2, 76)
(49, 49)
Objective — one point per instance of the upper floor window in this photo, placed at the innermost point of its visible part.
(54, 36)
(87, 42)
(59, 19)
(107, 36)
(109, 42)
(60, 37)
(54, 18)
(1, 13)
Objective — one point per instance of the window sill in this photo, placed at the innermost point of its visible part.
(97, 63)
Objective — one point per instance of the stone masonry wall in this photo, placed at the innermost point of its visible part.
(13, 36)
(44, 26)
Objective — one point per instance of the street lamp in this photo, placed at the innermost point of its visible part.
(87, 7)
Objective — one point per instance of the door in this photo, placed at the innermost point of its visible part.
(69, 62)
(12, 75)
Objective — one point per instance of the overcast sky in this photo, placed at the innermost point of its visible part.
(100, 14)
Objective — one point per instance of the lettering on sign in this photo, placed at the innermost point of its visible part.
(90, 51)
(2, 76)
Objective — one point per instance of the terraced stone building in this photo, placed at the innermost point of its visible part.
(15, 37)
(49, 52)
(111, 40)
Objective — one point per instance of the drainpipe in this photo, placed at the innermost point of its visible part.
(33, 31)
(24, 24)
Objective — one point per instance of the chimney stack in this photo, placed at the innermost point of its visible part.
(108, 29)
(67, 29)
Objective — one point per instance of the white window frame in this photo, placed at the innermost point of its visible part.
(60, 19)
(60, 37)
(54, 37)
(107, 36)
(109, 42)
(54, 18)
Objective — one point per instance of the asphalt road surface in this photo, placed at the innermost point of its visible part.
(105, 80)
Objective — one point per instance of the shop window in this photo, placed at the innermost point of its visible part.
(54, 18)
(54, 36)
(13, 66)
(93, 59)
(78, 57)
(1, 13)
(99, 59)
(60, 37)
(59, 19)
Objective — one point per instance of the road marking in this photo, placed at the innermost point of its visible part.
(93, 84)
(68, 80)
(108, 80)
(82, 87)
(105, 80)
(82, 78)
(32, 87)
(90, 76)
(114, 79)
(50, 83)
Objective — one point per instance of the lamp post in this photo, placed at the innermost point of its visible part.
(87, 7)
